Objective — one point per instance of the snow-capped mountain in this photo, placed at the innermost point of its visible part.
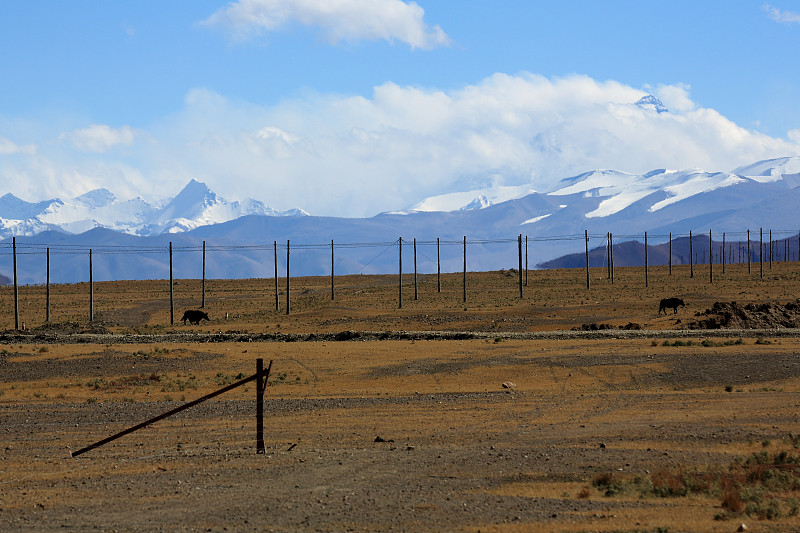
(475, 199)
(761, 195)
(196, 205)
(651, 102)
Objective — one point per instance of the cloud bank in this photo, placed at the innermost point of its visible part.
(345, 155)
(780, 15)
(99, 137)
(338, 20)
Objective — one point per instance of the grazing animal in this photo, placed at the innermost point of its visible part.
(670, 303)
(194, 317)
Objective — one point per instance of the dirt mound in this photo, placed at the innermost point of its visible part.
(749, 316)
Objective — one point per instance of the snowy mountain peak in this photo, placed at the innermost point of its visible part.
(14, 208)
(478, 203)
(771, 168)
(96, 198)
(651, 102)
(195, 205)
(475, 199)
(196, 192)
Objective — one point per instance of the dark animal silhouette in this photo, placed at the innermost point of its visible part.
(670, 303)
(194, 317)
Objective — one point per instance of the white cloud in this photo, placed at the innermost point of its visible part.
(99, 137)
(779, 15)
(357, 156)
(339, 20)
(675, 97)
(8, 147)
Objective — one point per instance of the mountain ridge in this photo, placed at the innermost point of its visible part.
(241, 236)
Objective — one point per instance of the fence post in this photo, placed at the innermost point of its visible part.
(723, 252)
(770, 249)
(400, 273)
(519, 246)
(611, 242)
(287, 276)
(646, 266)
(526, 260)
(438, 268)
(465, 268)
(332, 293)
(203, 302)
(171, 289)
(275, 261)
(710, 258)
(416, 293)
(691, 256)
(748, 251)
(47, 293)
(586, 241)
(16, 285)
(670, 253)
(91, 289)
(761, 251)
(261, 384)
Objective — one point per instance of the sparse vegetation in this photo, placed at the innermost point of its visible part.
(765, 485)
(706, 343)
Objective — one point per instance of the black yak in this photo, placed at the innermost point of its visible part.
(672, 303)
(194, 317)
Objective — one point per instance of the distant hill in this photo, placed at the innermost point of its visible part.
(631, 253)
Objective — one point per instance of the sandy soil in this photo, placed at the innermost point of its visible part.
(372, 428)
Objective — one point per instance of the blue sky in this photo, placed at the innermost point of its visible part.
(352, 107)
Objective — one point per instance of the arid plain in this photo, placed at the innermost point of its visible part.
(566, 409)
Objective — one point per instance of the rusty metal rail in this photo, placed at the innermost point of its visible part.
(260, 377)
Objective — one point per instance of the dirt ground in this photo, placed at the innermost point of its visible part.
(499, 413)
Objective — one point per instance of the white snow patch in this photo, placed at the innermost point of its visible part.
(535, 219)
(699, 183)
(479, 198)
(771, 169)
